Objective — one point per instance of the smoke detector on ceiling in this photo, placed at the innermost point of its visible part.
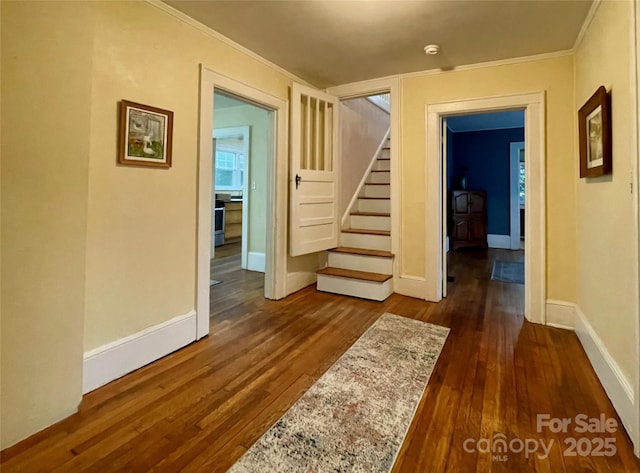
(432, 49)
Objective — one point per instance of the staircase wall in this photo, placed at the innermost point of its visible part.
(363, 126)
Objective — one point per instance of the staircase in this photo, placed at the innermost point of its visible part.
(363, 265)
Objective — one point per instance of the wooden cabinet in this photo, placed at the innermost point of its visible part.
(232, 221)
(468, 219)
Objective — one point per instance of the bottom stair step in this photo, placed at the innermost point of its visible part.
(372, 286)
(349, 273)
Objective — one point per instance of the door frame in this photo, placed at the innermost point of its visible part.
(435, 199)
(276, 250)
(402, 284)
(514, 192)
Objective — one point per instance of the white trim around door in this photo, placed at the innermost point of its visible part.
(401, 284)
(276, 254)
(535, 248)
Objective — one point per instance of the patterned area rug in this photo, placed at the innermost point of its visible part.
(355, 417)
(508, 271)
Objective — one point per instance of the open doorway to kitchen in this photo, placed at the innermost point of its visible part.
(240, 158)
(265, 145)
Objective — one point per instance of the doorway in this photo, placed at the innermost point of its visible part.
(241, 155)
(275, 260)
(483, 157)
(436, 198)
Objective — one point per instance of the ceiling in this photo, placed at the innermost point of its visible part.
(486, 121)
(330, 43)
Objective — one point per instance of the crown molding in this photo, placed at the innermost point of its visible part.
(483, 65)
(587, 22)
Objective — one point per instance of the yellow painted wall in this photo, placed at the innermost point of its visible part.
(92, 251)
(141, 224)
(46, 96)
(555, 77)
(607, 278)
(258, 121)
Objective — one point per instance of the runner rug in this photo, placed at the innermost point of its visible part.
(355, 417)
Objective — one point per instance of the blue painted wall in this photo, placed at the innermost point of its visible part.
(486, 155)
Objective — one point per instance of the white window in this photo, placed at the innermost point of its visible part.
(229, 169)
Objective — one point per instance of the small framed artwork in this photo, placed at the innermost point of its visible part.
(594, 133)
(145, 135)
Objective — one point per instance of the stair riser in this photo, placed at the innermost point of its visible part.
(367, 222)
(370, 264)
(384, 153)
(380, 177)
(381, 165)
(381, 206)
(369, 242)
(355, 287)
(377, 191)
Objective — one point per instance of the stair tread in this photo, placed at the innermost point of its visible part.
(372, 214)
(377, 183)
(384, 159)
(349, 273)
(377, 170)
(362, 251)
(367, 232)
(375, 198)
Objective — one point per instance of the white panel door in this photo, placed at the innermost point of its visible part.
(314, 194)
(445, 200)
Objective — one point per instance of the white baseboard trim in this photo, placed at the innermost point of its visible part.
(615, 383)
(256, 262)
(499, 241)
(561, 314)
(115, 359)
(300, 280)
(410, 286)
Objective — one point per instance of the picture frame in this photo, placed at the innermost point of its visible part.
(146, 135)
(594, 134)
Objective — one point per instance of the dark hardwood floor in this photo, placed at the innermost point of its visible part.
(199, 409)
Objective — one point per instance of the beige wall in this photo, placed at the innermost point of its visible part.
(555, 77)
(46, 96)
(97, 251)
(141, 225)
(607, 278)
(362, 126)
(258, 121)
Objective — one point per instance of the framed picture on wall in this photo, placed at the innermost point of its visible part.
(594, 133)
(145, 135)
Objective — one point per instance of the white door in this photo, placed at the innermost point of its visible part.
(313, 172)
(445, 200)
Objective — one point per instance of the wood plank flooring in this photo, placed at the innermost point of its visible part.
(199, 409)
